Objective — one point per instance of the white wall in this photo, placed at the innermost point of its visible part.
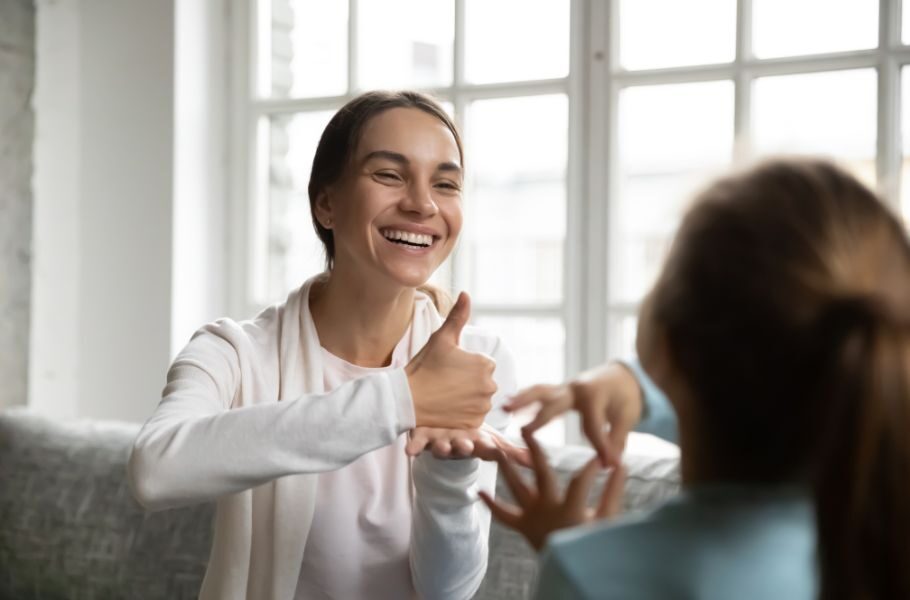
(17, 81)
(103, 234)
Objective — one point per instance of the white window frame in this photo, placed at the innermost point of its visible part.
(593, 87)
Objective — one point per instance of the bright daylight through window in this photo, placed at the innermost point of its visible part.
(586, 134)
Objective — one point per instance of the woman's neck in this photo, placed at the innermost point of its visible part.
(358, 321)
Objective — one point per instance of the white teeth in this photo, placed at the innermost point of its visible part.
(420, 239)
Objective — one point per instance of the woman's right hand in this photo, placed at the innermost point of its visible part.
(606, 395)
(451, 388)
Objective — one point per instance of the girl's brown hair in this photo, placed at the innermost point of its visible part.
(338, 144)
(785, 304)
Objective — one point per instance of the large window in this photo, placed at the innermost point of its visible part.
(588, 124)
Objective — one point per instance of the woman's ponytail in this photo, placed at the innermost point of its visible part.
(861, 477)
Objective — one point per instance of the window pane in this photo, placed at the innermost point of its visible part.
(696, 32)
(514, 40)
(293, 252)
(832, 114)
(405, 43)
(905, 118)
(538, 346)
(512, 244)
(788, 28)
(671, 137)
(623, 330)
(906, 12)
(303, 49)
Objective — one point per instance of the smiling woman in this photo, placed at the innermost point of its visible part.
(342, 432)
(403, 181)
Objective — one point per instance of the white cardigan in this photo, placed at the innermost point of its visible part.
(244, 420)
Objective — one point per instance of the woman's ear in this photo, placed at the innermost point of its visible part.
(322, 208)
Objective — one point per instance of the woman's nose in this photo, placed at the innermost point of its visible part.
(419, 199)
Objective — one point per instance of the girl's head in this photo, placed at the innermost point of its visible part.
(385, 187)
(782, 318)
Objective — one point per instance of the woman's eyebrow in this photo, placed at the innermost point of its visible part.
(449, 166)
(388, 155)
(403, 160)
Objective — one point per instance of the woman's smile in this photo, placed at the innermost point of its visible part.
(411, 239)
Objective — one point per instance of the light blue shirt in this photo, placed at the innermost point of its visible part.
(710, 543)
(718, 542)
(659, 418)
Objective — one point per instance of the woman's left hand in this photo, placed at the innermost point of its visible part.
(541, 511)
(484, 443)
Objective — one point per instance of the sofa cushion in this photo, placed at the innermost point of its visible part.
(69, 527)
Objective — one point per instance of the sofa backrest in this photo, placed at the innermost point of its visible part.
(70, 529)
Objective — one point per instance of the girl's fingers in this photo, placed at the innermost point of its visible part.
(546, 484)
(592, 424)
(578, 488)
(526, 397)
(520, 491)
(485, 450)
(543, 416)
(619, 433)
(506, 514)
(521, 456)
(611, 500)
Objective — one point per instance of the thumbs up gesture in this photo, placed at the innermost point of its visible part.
(451, 388)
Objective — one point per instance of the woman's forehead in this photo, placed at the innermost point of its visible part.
(408, 131)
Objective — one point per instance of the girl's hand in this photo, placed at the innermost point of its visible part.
(541, 511)
(607, 395)
(450, 387)
(484, 443)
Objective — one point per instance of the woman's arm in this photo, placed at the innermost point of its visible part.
(195, 448)
(450, 528)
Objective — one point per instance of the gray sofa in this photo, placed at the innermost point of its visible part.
(69, 528)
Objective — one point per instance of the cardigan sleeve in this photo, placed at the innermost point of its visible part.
(196, 448)
(450, 527)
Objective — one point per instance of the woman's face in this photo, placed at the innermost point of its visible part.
(396, 212)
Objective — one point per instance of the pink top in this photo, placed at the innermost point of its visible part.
(358, 545)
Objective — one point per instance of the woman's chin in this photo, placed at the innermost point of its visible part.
(412, 278)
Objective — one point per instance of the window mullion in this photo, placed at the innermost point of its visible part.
(575, 255)
(888, 151)
(742, 79)
(458, 52)
(353, 74)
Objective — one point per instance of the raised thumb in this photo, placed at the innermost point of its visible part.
(455, 322)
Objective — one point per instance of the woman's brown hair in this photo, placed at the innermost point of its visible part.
(338, 144)
(785, 304)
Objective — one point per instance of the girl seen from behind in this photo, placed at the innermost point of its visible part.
(780, 331)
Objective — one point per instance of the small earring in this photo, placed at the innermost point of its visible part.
(328, 223)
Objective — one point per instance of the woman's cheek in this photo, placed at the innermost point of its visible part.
(454, 218)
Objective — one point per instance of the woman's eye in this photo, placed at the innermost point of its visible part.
(388, 176)
(448, 186)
